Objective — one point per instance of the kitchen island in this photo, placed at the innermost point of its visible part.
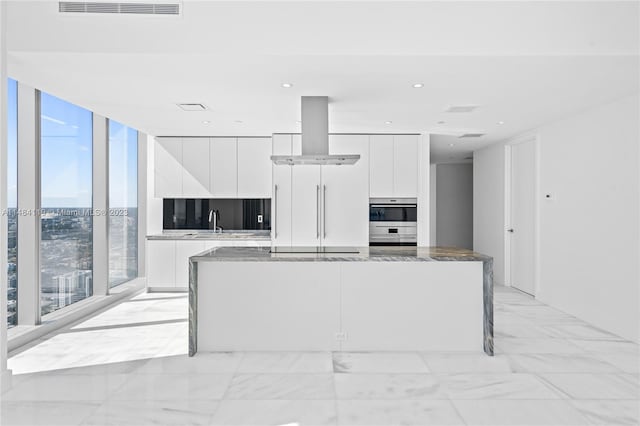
(340, 299)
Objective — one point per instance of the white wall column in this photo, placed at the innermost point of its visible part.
(101, 206)
(424, 205)
(28, 205)
(5, 375)
(142, 203)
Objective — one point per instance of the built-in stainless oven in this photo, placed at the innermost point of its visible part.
(392, 221)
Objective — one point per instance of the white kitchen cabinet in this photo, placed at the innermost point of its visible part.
(168, 167)
(254, 167)
(224, 167)
(306, 208)
(393, 170)
(381, 165)
(281, 201)
(405, 166)
(161, 265)
(195, 167)
(346, 194)
(184, 250)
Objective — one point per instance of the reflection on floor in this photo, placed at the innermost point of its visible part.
(128, 366)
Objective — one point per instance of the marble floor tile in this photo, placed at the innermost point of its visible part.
(519, 413)
(463, 362)
(51, 387)
(388, 386)
(559, 363)
(285, 362)
(275, 412)
(152, 412)
(202, 362)
(535, 346)
(281, 386)
(378, 362)
(593, 386)
(627, 363)
(496, 386)
(172, 387)
(399, 412)
(50, 413)
(522, 330)
(609, 412)
(607, 347)
(579, 331)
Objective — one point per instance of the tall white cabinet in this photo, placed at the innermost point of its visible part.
(321, 205)
(393, 169)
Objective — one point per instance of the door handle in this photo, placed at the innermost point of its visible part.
(324, 211)
(275, 211)
(317, 211)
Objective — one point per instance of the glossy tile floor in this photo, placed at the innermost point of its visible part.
(128, 366)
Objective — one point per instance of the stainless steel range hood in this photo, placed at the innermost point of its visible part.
(315, 137)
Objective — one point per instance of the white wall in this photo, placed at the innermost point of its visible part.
(589, 248)
(454, 205)
(488, 206)
(589, 229)
(432, 204)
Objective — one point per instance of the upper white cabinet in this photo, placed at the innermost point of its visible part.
(195, 167)
(393, 170)
(212, 167)
(168, 167)
(224, 167)
(254, 167)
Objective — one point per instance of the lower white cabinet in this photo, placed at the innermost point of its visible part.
(168, 260)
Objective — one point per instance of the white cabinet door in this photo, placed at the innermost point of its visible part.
(254, 167)
(161, 266)
(405, 161)
(168, 167)
(281, 200)
(224, 167)
(184, 250)
(195, 167)
(345, 194)
(305, 205)
(381, 165)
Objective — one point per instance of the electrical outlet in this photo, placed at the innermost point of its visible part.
(341, 336)
(259, 218)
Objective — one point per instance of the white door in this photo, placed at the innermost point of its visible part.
(522, 216)
(281, 194)
(195, 167)
(224, 167)
(405, 165)
(345, 194)
(306, 193)
(254, 167)
(381, 165)
(168, 167)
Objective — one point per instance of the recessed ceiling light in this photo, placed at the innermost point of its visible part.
(417, 85)
(388, 122)
(287, 85)
(193, 107)
(441, 122)
(239, 121)
(206, 122)
(500, 122)
(451, 144)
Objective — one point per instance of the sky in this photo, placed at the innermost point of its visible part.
(66, 155)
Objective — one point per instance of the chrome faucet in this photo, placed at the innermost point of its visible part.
(214, 217)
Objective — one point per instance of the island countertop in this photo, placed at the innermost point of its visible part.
(338, 254)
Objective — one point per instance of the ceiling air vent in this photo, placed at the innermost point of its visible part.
(112, 7)
(193, 107)
(471, 135)
(461, 108)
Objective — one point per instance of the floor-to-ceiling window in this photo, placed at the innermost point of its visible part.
(66, 259)
(123, 203)
(12, 203)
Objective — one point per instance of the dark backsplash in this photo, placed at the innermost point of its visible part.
(237, 214)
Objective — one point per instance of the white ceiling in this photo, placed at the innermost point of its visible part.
(524, 63)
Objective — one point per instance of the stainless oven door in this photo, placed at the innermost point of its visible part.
(393, 233)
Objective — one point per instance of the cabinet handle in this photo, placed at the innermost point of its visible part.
(317, 211)
(324, 210)
(275, 212)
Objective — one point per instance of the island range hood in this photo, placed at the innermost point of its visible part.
(315, 137)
